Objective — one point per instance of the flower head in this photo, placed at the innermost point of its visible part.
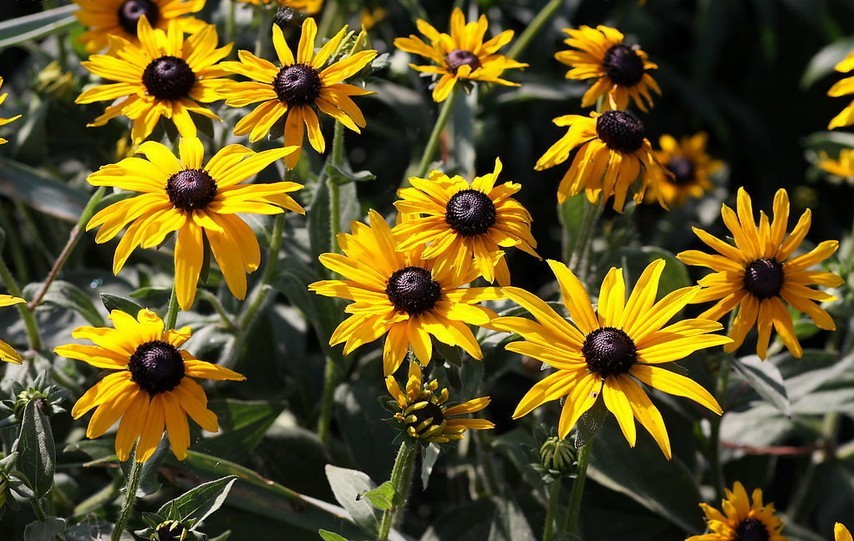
(462, 221)
(609, 351)
(461, 55)
(402, 294)
(843, 87)
(198, 201)
(611, 152)
(152, 385)
(109, 19)
(842, 166)
(421, 409)
(757, 277)
(297, 88)
(689, 167)
(742, 519)
(161, 76)
(7, 352)
(4, 121)
(621, 72)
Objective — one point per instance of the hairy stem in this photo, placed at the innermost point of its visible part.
(551, 510)
(401, 477)
(134, 476)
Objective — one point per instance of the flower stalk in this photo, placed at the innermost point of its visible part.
(574, 512)
(433, 142)
(27, 314)
(401, 478)
(534, 28)
(551, 510)
(134, 477)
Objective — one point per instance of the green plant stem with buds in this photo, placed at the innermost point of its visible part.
(134, 477)
(27, 314)
(574, 512)
(534, 28)
(401, 478)
(551, 510)
(433, 142)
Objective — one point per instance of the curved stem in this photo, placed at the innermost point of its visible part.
(534, 28)
(401, 477)
(27, 314)
(134, 476)
(551, 510)
(575, 496)
(433, 142)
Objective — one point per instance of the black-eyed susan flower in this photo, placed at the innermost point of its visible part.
(401, 294)
(611, 153)
(296, 88)
(199, 202)
(461, 55)
(741, 518)
(4, 121)
(841, 533)
(162, 76)
(842, 166)
(756, 276)
(611, 351)
(621, 72)
(689, 166)
(153, 385)
(843, 87)
(463, 222)
(108, 19)
(307, 6)
(7, 352)
(422, 412)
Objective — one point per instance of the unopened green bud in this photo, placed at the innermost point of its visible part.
(557, 456)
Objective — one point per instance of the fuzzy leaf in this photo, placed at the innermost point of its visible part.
(37, 458)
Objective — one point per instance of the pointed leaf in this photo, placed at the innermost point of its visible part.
(37, 453)
(766, 380)
(194, 505)
(348, 487)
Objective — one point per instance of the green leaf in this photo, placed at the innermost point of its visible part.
(319, 228)
(35, 26)
(69, 296)
(429, 455)
(467, 522)
(37, 453)
(674, 276)
(45, 194)
(195, 505)
(571, 215)
(589, 424)
(94, 529)
(384, 497)
(344, 174)
(348, 487)
(243, 424)
(823, 62)
(44, 530)
(766, 380)
(326, 535)
(509, 522)
(114, 302)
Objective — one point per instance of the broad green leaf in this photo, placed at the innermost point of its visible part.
(384, 497)
(114, 302)
(326, 535)
(35, 26)
(93, 529)
(348, 487)
(765, 378)
(571, 215)
(45, 194)
(509, 522)
(44, 530)
(196, 504)
(37, 455)
(589, 424)
(243, 423)
(825, 60)
(429, 455)
(467, 522)
(359, 417)
(319, 213)
(69, 296)
(830, 141)
(634, 261)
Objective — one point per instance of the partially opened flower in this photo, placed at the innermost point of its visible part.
(200, 202)
(755, 275)
(463, 222)
(297, 88)
(162, 76)
(843, 87)
(152, 386)
(108, 19)
(4, 121)
(742, 519)
(308, 6)
(7, 352)
(689, 166)
(621, 72)
(610, 152)
(612, 351)
(461, 55)
(842, 166)
(401, 294)
(422, 412)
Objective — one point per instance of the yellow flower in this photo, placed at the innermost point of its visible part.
(611, 152)
(152, 388)
(308, 6)
(609, 351)
(843, 87)
(841, 533)
(402, 294)
(460, 55)
(689, 167)
(109, 19)
(296, 88)
(741, 518)
(621, 72)
(161, 76)
(199, 202)
(461, 221)
(422, 412)
(7, 352)
(4, 121)
(842, 166)
(756, 276)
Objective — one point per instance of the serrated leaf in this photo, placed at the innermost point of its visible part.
(114, 302)
(384, 497)
(37, 454)
(44, 530)
(766, 380)
(429, 455)
(326, 535)
(349, 486)
(195, 505)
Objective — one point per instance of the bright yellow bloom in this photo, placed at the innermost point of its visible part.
(199, 202)
(109, 19)
(152, 388)
(461, 55)
(308, 6)
(689, 166)
(422, 412)
(611, 152)
(162, 76)
(841, 533)
(4, 121)
(7, 352)
(621, 72)
(296, 88)
(741, 518)
(843, 87)
(842, 166)
(609, 351)
(461, 221)
(756, 276)
(402, 294)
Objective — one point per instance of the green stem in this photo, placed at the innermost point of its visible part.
(799, 506)
(172, 310)
(330, 380)
(229, 21)
(401, 477)
(337, 159)
(37, 509)
(29, 317)
(534, 28)
(551, 510)
(219, 309)
(574, 511)
(717, 471)
(264, 31)
(330, 19)
(275, 246)
(433, 142)
(134, 477)
(73, 238)
(577, 258)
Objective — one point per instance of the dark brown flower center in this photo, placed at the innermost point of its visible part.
(191, 189)
(620, 131)
(168, 78)
(132, 11)
(683, 170)
(459, 58)
(430, 412)
(764, 278)
(413, 290)
(751, 529)
(623, 65)
(297, 84)
(156, 366)
(470, 213)
(609, 352)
